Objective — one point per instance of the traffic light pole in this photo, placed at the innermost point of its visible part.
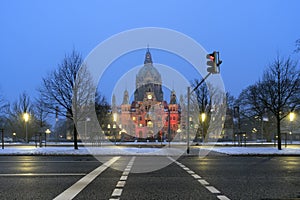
(188, 110)
(201, 82)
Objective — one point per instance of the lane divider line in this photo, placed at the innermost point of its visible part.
(77, 187)
(116, 194)
(212, 189)
(202, 181)
(222, 197)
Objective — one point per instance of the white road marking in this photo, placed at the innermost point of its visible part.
(125, 173)
(212, 189)
(203, 182)
(72, 191)
(121, 183)
(117, 192)
(196, 176)
(222, 197)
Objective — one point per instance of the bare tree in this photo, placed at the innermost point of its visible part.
(253, 109)
(280, 90)
(68, 90)
(201, 99)
(41, 112)
(250, 102)
(102, 108)
(297, 46)
(15, 116)
(210, 102)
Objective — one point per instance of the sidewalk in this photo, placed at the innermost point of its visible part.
(147, 149)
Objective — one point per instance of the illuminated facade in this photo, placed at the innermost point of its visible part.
(147, 116)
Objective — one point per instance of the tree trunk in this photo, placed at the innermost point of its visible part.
(75, 137)
(278, 132)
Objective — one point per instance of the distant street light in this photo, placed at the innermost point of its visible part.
(26, 119)
(203, 117)
(85, 127)
(179, 133)
(46, 133)
(292, 117)
(15, 136)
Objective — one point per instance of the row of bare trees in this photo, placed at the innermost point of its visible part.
(65, 92)
(12, 116)
(275, 95)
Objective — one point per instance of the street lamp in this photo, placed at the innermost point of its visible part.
(85, 127)
(292, 117)
(15, 136)
(26, 119)
(115, 116)
(179, 133)
(114, 132)
(46, 133)
(203, 117)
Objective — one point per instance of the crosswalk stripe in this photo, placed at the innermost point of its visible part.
(72, 191)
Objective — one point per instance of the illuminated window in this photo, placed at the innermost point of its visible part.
(150, 124)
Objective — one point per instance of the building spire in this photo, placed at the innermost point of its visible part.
(148, 58)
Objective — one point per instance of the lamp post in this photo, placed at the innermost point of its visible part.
(188, 120)
(15, 136)
(46, 133)
(115, 116)
(114, 132)
(179, 133)
(292, 116)
(26, 119)
(169, 127)
(203, 117)
(108, 131)
(85, 127)
(264, 118)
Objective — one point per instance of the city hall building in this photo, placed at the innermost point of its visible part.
(148, 116)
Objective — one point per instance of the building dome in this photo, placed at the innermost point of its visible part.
(148, 73)
(148, 79)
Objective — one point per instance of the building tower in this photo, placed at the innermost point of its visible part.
(148, 79)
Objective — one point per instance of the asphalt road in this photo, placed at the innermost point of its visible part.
(190, 177)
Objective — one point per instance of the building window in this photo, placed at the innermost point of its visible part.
(150, 124)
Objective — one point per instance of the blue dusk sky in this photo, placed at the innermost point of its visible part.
(249, 34)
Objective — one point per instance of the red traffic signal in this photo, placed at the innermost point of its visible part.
(210, 56)
(213, 62)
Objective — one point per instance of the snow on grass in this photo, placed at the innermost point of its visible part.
(123, 150)
(257, 150)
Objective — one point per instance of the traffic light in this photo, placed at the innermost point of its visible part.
(213, 63)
